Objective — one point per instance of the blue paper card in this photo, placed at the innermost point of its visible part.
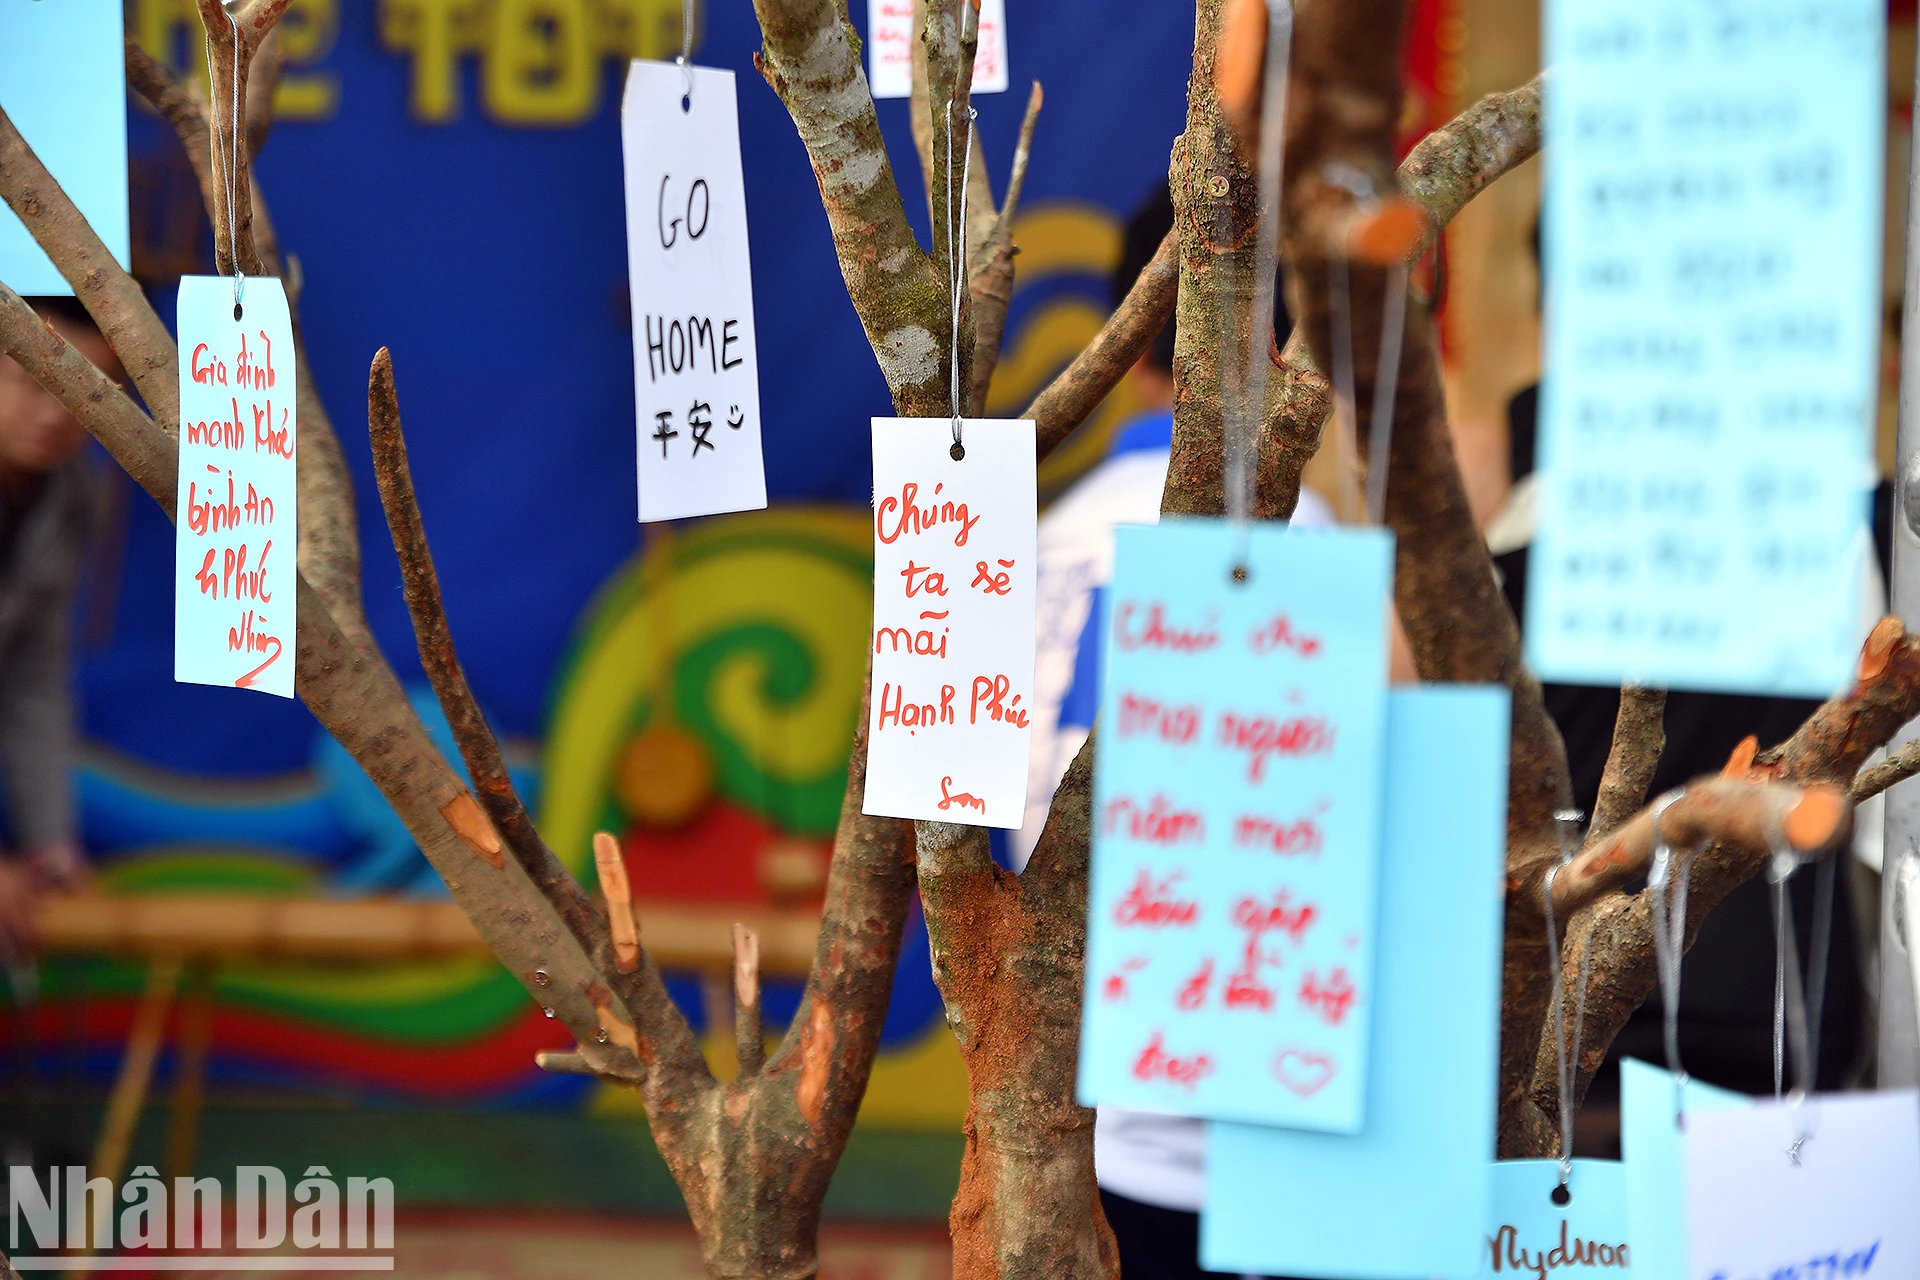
(1652, 1148)
(63, 84)
(235, 572)
(1236, 824)
(1713, 281)
(1529, 1235)
(1405, 1198)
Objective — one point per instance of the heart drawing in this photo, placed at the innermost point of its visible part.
(1304, 1072)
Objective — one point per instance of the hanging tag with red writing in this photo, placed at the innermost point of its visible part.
(235, 567)
(891, 37)
(696, 365)
(1236, 842)
(953, 623)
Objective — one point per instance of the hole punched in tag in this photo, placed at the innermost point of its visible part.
(1561, 1195)
(958, 452)
(1239, 575)
(685, 59)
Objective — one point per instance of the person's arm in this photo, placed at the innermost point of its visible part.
(36, 694)
(36, 728)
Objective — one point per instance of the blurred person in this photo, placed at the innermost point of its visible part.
(46, 514)
(1150, 1166)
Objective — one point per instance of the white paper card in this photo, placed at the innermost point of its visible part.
(235, 572)
(695, 363)
(890, 37)
(953, 630)
(1848, 1210)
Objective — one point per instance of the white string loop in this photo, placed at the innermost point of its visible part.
(1567, 1058)
(229, 159)
(1667, 905)
(1386, 376)
(957, 254)
(685, 58)
(1796, 1012)
(1243, 390)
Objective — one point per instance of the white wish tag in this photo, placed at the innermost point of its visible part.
(953, 630)
(696, 368)
(890, 37)
(1826, 1189)
(235, 574)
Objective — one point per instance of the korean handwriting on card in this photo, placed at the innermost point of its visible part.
(1713, 211)
(1236, 828)
(953, 620)
(695, 372)
(235, 567)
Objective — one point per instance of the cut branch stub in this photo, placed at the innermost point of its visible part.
(607, 860)
(749, 1041)
(1808, 821)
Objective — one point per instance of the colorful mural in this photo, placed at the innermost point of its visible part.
(702, 712)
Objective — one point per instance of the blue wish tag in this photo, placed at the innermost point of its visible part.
(63, 84)
(1713, 287)
(1652, 1147)
(1236, 824)
(1406, 1197)
(1531, 1234)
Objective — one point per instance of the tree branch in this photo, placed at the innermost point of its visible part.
(1463, 157)
(232, 43)
(809, 60)
(1828, 749)
(1071, 398)
(1896, 768)
(178, 107)
(358, 700)
(671, 1050)
(990, 280)
(1749, 816)
(1639, 737)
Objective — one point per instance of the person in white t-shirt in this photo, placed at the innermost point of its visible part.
(1150, 1165)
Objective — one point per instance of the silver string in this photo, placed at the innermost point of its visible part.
(1797, 1005)
(1386, 384)
(686, 45)
(1667, 906)
(1823, 890)
(1386, 376)
(1790, 997)
(228, 161)
(1567, 1058)
(957, 247)
(1243, 391)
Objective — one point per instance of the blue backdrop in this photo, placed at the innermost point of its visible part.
(492, 260)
